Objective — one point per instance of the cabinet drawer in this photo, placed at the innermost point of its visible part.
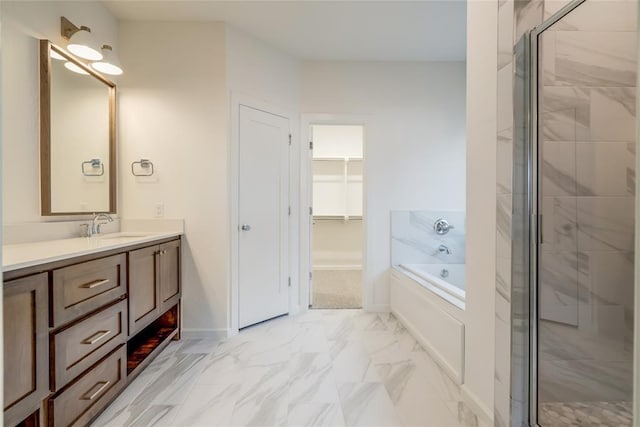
(81, 288)
(78, 347)
(85, 398)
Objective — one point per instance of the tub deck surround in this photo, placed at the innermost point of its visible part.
(453, 274)
(434, 318)
(423, 254)
(414, 241)
(450, 287)
(430, 305)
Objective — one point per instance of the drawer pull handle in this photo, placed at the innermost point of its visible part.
(95, 283)
(100, 388)
(96, 337)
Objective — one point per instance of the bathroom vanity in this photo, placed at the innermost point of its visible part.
(82, 318)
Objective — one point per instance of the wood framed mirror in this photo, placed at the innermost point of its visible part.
(77, 136)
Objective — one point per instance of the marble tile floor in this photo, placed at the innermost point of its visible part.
(322, 368)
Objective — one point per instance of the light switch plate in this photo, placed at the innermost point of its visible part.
(159, 211)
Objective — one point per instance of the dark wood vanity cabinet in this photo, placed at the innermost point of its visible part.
(25, 349)
(154, 283)
(77, 331)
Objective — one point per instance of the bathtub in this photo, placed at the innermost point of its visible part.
(432, 309)
(445, 280)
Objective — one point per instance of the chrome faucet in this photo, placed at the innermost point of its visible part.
(444, 249)
(95, 224)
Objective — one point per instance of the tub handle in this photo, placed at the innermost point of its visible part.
(442, 226)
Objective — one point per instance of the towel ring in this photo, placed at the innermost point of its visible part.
(145, 164)
(95, 164)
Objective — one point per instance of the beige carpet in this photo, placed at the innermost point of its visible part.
(337, 289)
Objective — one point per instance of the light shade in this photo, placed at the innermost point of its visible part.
(75, 68)
(81, 42)
(109, 64)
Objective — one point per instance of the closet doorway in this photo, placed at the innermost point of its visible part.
(337, 234)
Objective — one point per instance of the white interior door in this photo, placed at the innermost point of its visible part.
(263, 195)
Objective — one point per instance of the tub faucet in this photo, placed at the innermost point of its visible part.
(95, 224)
(444, 249)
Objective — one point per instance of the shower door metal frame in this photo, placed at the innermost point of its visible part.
(533, 200)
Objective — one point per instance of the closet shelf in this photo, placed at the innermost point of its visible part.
(337, 159)
(337, 217)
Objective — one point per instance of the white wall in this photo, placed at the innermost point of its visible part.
(173, 111)
(260, 71)
(481, 200)
(414, 142)
(23, 25)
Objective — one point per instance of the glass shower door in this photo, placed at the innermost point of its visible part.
(586, 97)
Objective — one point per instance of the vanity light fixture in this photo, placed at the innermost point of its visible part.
(109, 63)
(81, 42)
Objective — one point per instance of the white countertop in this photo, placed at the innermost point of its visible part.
(23, 255)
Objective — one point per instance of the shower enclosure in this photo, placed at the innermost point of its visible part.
(578, 158)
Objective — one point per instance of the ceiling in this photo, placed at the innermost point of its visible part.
(358, 30)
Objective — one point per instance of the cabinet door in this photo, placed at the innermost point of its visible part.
(26, 354)
(169, 274)
(144, 301)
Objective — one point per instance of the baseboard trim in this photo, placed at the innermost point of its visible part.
(294, 310)
(194, 333)
(377, 308)
(485, 416)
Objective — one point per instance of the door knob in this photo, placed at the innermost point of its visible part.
(245, 227)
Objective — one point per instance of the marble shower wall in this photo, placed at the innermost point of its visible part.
(587, 136)
(592, 113)
(413, 240)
